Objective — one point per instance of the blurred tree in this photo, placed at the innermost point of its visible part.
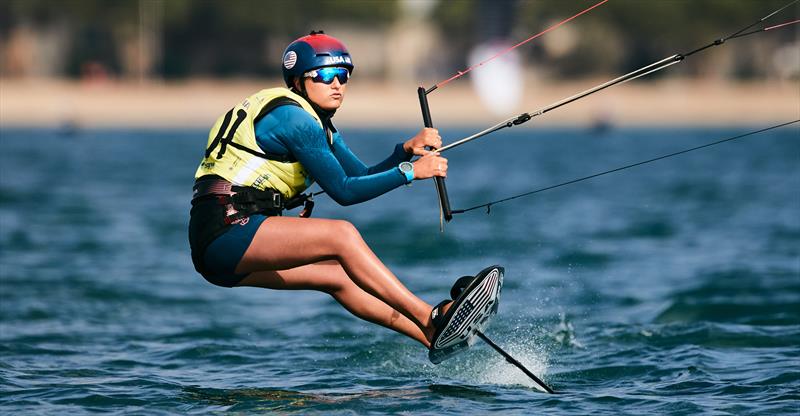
(211, 37)
(200, 37)
(652, 30)
(620, 35)
(245, 37)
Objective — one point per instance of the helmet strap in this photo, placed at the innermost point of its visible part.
(324, 115)
(302, 89)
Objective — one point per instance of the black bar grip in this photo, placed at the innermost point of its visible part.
(441, 188)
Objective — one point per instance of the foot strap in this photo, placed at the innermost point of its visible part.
(476, 301)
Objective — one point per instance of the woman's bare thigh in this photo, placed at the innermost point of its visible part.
(283, 243)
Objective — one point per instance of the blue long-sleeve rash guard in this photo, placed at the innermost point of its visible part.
(289, 129)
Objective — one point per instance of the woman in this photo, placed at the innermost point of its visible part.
(269, 148)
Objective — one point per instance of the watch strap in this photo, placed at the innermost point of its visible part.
(408, 173)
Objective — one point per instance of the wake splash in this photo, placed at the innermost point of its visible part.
(482, 365)
(494, 369)
(529, 348)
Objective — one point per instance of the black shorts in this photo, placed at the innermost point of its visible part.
(217, 248)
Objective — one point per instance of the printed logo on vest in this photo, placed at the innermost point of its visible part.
(289, 60)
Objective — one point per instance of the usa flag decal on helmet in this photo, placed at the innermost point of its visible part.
(290, 59)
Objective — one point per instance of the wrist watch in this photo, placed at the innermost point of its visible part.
(407, 168)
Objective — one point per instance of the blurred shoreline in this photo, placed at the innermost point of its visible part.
(197, 103)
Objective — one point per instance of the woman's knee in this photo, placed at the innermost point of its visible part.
(346, 234)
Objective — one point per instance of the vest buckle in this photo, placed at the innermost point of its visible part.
(276, 200)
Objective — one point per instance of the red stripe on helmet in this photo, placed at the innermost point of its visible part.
(324, 43)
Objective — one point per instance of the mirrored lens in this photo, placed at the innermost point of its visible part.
(326, 75)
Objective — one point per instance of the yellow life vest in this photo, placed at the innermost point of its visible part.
(233, 153)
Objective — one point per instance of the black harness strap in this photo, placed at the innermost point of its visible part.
(265, 155)
(275, 103)
(246, 200)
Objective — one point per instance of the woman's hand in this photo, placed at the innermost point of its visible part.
(426, 137)
(429, 165)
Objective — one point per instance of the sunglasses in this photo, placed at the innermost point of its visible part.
(327, 74)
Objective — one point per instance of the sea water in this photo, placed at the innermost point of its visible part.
(669, 288)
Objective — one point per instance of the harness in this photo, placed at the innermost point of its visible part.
(242, 201)
(218, 205)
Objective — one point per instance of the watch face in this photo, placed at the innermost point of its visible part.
(406, 167)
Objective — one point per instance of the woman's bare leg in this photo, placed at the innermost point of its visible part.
(283, 243)
(330, 277)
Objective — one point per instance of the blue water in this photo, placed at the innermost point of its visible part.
(671, 288)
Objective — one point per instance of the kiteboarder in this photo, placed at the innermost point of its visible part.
(263, 153)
